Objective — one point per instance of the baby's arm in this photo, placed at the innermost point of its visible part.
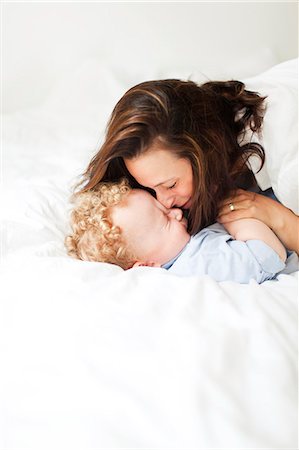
(248, 229)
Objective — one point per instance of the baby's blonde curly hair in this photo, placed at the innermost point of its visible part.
(94, 236)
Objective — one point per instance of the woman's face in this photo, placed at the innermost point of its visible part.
(169, 176)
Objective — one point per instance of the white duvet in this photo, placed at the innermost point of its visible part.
(93, 357)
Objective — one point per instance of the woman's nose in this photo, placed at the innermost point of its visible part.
(166, 201)
(176, 213)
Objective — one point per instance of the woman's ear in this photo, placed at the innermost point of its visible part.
(146, 264)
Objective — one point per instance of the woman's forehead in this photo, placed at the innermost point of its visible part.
(154, 167)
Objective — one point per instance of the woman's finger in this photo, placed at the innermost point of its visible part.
(240, 201)
(234, 205)
(239, 197)
(234, 215)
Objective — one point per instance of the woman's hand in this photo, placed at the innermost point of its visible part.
(245, 205)
(281, 220)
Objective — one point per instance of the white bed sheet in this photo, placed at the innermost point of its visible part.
(93, 357)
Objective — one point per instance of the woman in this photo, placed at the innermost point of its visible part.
(189, 146)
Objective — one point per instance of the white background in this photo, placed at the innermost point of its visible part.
(44, 41)
(93, 357)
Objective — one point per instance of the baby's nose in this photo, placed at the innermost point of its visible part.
(176, 213)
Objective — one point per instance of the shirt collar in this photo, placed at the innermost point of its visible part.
(172, 261)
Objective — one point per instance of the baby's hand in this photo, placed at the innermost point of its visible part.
(249, 229)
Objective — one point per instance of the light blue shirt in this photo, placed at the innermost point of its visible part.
(214, 252)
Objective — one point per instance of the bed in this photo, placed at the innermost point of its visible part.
(95, 357)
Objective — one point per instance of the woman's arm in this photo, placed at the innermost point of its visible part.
(248, 229)
(280, 219)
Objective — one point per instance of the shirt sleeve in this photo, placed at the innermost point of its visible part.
(264, 261)
(214, 252)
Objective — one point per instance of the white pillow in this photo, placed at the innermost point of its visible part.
(280, 131)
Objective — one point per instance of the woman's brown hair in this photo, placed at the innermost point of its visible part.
(202, 123)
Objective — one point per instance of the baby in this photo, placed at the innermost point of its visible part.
(129, 227)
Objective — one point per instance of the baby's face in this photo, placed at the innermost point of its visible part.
(155, 234)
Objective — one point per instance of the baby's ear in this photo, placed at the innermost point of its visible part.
(138, 264)
(147, 264)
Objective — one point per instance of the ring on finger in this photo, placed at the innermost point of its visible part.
(231, 206)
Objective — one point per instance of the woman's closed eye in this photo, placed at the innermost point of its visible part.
(172, 186)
